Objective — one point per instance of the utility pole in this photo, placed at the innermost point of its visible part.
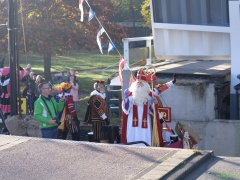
(12, 55)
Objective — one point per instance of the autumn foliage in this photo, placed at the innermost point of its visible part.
(54, 27)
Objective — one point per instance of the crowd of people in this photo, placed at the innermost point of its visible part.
(57, 115)
(45, 107)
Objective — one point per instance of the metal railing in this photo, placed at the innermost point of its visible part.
(126, 47)
(237, 88)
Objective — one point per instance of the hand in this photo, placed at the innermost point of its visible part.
(62, 98)
(161, 120)
(76, 120)
(106, 121)
(174, 78)
(126, 103)
(126, 93)
(153, 100)
(51, 121)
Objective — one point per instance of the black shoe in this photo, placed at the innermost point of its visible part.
(4, 131)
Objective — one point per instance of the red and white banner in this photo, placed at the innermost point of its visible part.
(122, 62)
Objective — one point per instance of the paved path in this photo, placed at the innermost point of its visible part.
(217, 168)
(35, 158)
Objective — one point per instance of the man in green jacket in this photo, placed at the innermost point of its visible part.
(45, 111)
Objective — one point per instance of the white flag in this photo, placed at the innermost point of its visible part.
(111, 47)
(81, 9)
(100, 32)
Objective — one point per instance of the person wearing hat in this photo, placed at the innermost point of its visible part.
(5, 95)
(98, 112)
(138, 111)
(69, 120)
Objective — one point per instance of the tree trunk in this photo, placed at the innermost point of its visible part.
(133, 18)
(47, 67)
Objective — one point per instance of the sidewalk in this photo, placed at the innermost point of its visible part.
(36, 158)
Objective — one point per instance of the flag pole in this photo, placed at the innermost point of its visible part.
(155, 135)
(102, 26)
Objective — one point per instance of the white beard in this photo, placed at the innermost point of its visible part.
(140, 94)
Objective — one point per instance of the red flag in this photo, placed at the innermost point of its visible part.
(81, 9)
(122, 62)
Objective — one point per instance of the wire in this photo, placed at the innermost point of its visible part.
(111, 40)
(102, 26)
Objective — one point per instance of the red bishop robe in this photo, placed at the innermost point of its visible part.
(129, 132)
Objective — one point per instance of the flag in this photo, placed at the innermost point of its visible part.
(100, 32)
(168, 134)
(111, 47)
(81, 9)
(91, 14)
(122, 62)
(132, 79)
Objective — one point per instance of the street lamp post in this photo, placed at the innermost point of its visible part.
(12, 55)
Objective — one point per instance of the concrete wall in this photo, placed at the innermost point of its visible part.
(191, 102)
(221, 136)
(194, 105)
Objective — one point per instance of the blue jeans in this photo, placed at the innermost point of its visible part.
(75, 105)
(50, 133)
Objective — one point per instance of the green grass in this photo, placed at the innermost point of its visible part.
(74, 60)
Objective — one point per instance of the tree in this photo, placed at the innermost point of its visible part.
(145, 11)
(54, 27)
(3, 28)
(129, 11)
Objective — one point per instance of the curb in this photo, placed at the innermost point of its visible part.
(167, 166)
(190, 164)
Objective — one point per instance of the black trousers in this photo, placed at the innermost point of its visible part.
(75, 136)
(4, 127)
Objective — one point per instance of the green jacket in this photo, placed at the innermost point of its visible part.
(41, 113)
